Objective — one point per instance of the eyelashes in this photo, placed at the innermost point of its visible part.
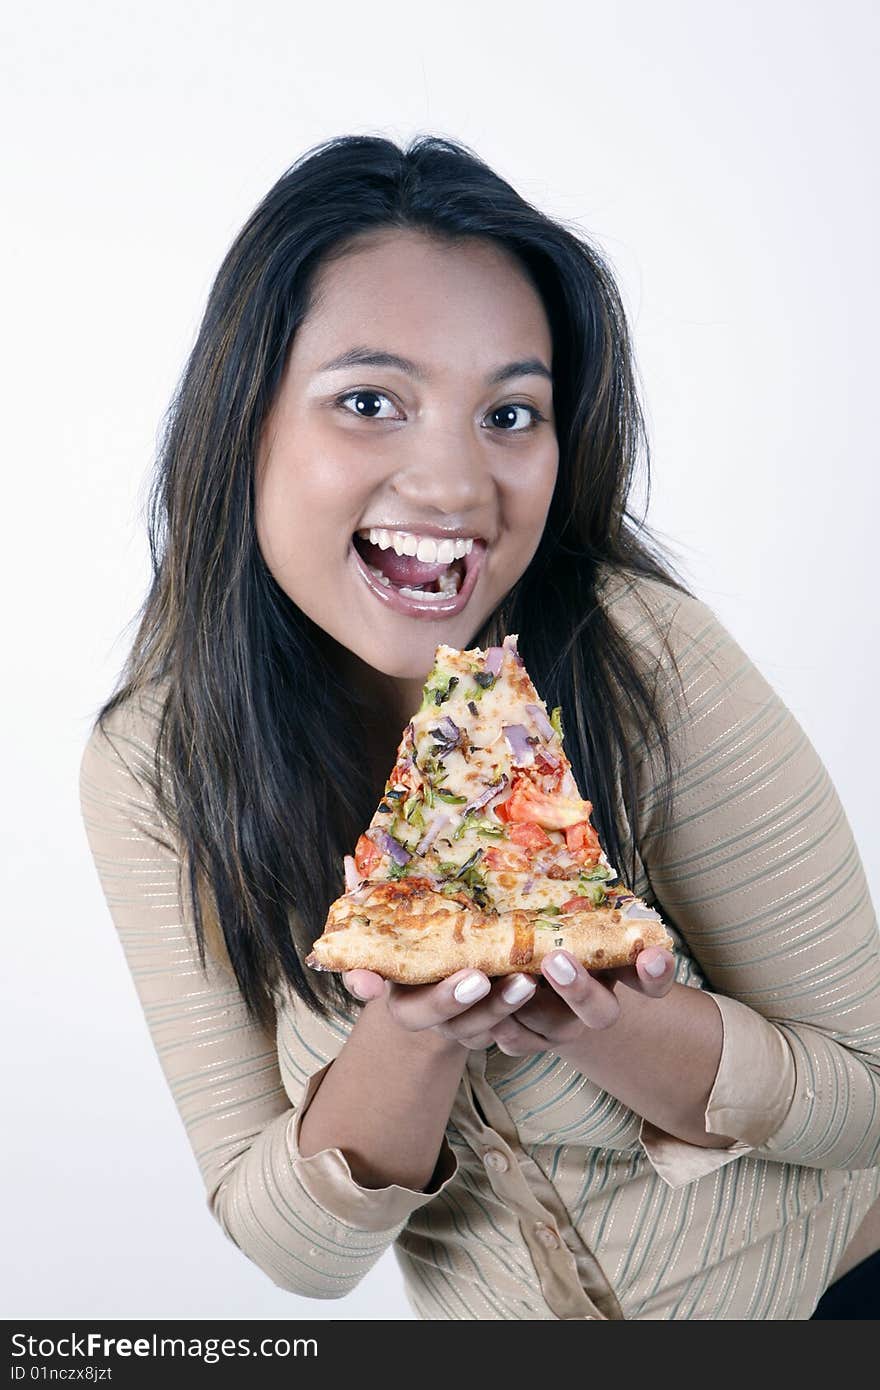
(535, 415)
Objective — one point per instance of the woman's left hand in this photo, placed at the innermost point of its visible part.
(574, 999)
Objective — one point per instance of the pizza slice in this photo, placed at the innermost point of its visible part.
(481, 853)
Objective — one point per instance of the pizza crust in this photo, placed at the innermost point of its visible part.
(434, 937)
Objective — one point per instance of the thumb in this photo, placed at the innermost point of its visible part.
(364, 984)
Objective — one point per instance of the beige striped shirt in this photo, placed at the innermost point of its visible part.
(550, 1198)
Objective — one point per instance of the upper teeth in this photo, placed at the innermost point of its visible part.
(424, 548)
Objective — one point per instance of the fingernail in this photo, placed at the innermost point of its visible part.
(470, 988)
(561, 969)
(655, 966)
(518, 990)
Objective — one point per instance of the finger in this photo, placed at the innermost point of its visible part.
(550, 1016)
(515, 1040)
(640, 978)
(475, 1043)
(364, 984)
(467, 1018)
(507, 994)
(655, 970)
(424, 1006)
(587, 997)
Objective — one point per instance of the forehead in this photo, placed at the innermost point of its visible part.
(449, 305)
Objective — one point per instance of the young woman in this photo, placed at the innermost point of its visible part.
(399, 349)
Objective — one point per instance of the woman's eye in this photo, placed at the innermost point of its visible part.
(510, 419)
(506, 417)
(367, 404)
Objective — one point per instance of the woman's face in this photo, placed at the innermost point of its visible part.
(444, 450)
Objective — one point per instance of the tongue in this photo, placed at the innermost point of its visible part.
(400, 569)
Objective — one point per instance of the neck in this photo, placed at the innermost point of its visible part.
(387, 703)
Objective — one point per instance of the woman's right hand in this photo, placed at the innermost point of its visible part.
(466, 1017)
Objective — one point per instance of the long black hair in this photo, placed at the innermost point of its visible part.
(259, 760)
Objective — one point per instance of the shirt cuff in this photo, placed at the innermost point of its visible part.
(751, 1095)
(327, 1178)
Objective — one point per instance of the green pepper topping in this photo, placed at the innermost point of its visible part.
(469, 863)
(451, 798)
(465, 825)
(594, 892)
(556, 721)
(438, 689)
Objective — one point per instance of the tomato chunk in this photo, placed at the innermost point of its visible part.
(578, 905)
(529, 836)
(366, 856)
(528, 804)
(582, 841)
(499, 859)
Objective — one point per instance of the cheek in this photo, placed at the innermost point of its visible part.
(278, 510)
(527, 491)
(303, 504)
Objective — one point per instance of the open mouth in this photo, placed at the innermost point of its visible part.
(409, 575)
(419, 588)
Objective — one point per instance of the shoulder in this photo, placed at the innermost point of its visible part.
(653, 614)
(668, 630)
(680, 641)
(117, 768)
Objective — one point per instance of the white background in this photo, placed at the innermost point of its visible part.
(722, 157)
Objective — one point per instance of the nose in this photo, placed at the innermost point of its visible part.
(446, 470)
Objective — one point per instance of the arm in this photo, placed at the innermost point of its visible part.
(383, 1076)
(301, 1218)
(660, 1058)
(760, 878)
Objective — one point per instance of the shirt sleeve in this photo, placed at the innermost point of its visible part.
(304, 1221)
(760, 881)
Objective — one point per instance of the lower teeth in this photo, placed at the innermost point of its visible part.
(427, 593)
(449, 585)
(383, 578)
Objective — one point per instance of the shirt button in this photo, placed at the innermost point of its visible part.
(496, 1161)
(547, 1236)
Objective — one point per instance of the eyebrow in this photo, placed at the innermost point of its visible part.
(373, 357)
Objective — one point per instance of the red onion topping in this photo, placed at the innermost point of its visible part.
(641, 912)
(439, 820)
(447, 733)
(494, 658)
(518, 738)
(486, 796)
(352, 877)
(545, 728)
(510, 642)
(545, 756)
(388, 845)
